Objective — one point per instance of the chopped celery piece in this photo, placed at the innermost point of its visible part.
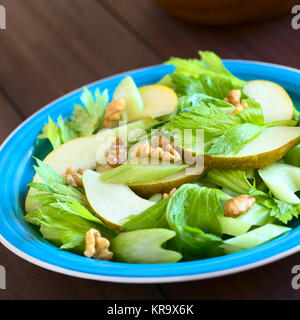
(283, 180)
(133, 129)
(144, 246)
(128, 90)
(256, 216)
(136, 173)
(165, 81)
(293, 157)
(233, 227)
(254, 238)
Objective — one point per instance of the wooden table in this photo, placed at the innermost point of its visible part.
(52, 46)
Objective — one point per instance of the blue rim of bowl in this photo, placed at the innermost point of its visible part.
(17, 237)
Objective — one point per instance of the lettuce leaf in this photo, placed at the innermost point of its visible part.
(234, 139)
(281, 210)
(64, 216)
(234, 180)
(55, 188)
(224, 133)
(67, 228)
(210, 65)
(213, 86)
(253, 114)
(193, 213)
(85, 121)
(153, 217)
(293, 157)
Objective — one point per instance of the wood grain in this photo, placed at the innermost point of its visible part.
(272, 41)
(53, 47)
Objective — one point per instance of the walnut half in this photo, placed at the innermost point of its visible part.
(234, 97)
(97, 246)
(117, 153)
(160, 148)
(167, 195)
(236, 206)
(73, 177)
(113, 112)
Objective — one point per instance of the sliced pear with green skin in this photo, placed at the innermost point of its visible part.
(77, 153)
(283, 180)
(83, 153)
(112, 203)
(128, 90)
(270, 146)
(158, 100)
(175, 180)
(274, 100)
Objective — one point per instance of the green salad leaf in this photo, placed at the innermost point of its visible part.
(64, 216)
(207, 116)
(193, 213)
(213, 86)
(153, 217)
(281, 210)
(66, 228)
(85, 121)
(293, 157)
(210, 65)
(234, 180)
(54, 188)
(253, 114)
(234, 138)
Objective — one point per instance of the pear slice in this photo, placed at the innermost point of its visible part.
(175, 180)
(85, 153)
(112, 203)
(79, 153)
(283, 180)
(158, 100)
(270, 146)
(274, 100)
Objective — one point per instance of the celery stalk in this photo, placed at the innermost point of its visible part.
(136, 173)
(254, 238)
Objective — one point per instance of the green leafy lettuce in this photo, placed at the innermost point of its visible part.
(85, 121)
(63, 217)
(210, 66)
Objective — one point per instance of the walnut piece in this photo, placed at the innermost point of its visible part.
(234, 97)
(113, 112)
(97, 246)
(74, 178)
(160, 148)
(167, 195)
(236, 206)
(117, 153)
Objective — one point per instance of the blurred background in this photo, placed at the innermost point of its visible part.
(51, 47)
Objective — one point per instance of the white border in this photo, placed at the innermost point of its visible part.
(117, 279)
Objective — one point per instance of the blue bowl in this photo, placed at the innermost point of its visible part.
(16, 172)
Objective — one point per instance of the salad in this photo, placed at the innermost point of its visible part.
(197, 165)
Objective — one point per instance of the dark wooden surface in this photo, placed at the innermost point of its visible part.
(53, 46)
